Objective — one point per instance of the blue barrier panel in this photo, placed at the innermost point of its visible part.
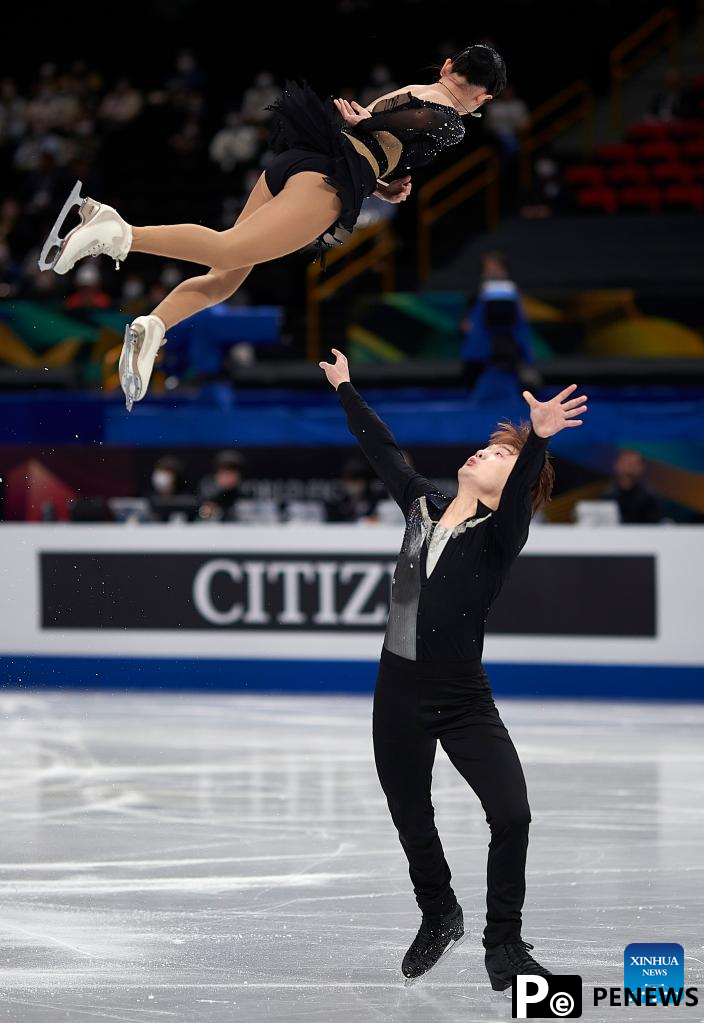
(558, 681)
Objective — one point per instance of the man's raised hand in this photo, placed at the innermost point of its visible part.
(549, 417)
(337, 372)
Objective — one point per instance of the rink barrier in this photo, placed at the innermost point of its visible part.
(609, 612)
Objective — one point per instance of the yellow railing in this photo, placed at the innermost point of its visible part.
(430, 211)
(660, 32)
(571, 106)
(379, 257)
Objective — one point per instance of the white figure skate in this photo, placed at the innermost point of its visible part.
(102, 230)
(143, 339)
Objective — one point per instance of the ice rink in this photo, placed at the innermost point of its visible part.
(173, 857)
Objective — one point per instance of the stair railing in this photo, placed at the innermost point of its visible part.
(379, 257)
(658, 33)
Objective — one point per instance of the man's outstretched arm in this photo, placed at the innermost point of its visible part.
(375, 438)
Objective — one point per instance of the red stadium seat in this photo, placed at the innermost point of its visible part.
(648, 131)
(601, 199)
(693, 150)
(684, 197)
(617, 153)
(629, 174)
(642, 197)
(672, 174)
(687, 129)
(585, 174)
(659, 151)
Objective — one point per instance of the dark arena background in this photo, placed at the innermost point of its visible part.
(195, 593)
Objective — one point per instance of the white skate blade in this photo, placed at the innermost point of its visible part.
(410, 981)
(136, 363)
(55, 240)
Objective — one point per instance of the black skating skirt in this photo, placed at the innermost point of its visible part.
(306, 134)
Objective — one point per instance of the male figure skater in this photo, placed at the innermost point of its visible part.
(431, 684)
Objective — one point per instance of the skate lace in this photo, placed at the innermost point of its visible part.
(105, 248)
(518, 955)
(98, 248)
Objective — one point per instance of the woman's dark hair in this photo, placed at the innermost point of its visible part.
(481, 65)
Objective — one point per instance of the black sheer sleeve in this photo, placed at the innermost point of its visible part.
(403, 114)
(511, 520)
(423, 128)
(378, 444)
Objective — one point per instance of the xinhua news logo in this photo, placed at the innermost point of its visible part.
(554, 997)
(658, 965)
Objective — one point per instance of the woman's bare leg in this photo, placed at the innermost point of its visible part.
(197, 293)
(304, 209)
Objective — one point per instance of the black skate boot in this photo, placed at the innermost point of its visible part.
(437, 935)
(503, 962)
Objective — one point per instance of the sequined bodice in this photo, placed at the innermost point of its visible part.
(404, 132)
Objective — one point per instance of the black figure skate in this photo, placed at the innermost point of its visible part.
(437, 936)
(503, 962)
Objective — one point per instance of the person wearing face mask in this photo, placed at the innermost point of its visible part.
(166, 482)
(357, 500)
(431, 684)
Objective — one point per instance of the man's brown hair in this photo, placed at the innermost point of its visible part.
(515, 437)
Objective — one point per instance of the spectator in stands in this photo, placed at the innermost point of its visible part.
(506, 118)
(222, 489)
(238, 143)
(39, 143)
(358, 498)
(88, 293)
(187, 74)
(636, 501)
(496, 333)
(121, 105)
(133, 297)
(13, 112)
(548, 193)
(671, 101)
(167, 481)
(381, 82)
(167, 477)
(258, 96)
(169, 277)
(187, 140)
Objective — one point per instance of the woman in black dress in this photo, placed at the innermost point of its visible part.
(330, 156)
(431, 684)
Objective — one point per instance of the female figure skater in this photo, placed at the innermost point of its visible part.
(329, 159)
(431, 684)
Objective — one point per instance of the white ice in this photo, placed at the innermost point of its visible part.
(175, 857)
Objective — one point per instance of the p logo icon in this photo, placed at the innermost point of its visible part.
(536, 997)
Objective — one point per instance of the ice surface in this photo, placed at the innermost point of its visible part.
(174, 857)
